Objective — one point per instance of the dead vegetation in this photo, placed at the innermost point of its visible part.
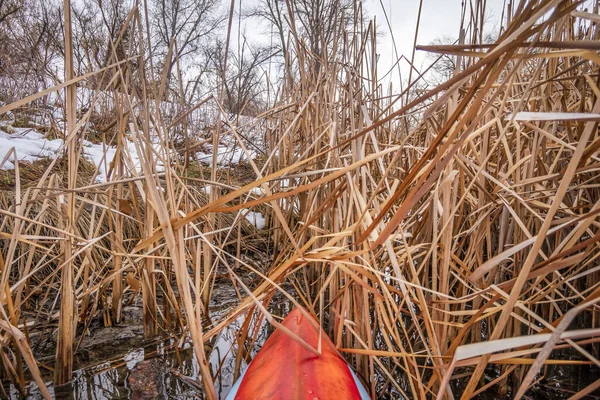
(446, 239)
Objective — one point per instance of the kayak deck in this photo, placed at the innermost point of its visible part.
(284, 369)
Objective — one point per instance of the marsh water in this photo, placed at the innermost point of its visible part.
(118, 363)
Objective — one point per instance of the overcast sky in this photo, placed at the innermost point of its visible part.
(439, 18)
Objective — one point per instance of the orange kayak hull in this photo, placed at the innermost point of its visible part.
(284, 369)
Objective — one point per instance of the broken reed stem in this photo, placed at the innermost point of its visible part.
(68, 318)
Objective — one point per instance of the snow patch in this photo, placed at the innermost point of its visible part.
(31, 146)
(255, 218)
(226, 155)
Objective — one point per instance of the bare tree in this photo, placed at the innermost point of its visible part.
(189, 22)
(30, 46)
(445, 65)
(319, 20)
(274, 12)
(242, 81)
(90, 36)
(316, 21)
(8, 8)
(96, 28)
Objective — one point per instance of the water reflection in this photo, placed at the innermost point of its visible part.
(114, 369)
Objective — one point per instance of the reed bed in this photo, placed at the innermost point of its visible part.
(446, 238)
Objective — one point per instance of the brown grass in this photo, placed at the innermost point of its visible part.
(435, 235)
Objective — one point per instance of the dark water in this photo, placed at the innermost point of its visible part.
(118, 363)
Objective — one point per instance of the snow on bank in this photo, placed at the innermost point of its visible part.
(94, 153)
(29, 146)
(255, 192)
(255, 218)
(32, 146)
(225, 156)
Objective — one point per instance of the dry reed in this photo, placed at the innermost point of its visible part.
(437, 234)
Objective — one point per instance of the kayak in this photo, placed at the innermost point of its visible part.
(284, 369)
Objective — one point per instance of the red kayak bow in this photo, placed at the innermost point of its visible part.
(284, 369)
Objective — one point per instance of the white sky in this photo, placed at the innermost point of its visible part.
(438, 18)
